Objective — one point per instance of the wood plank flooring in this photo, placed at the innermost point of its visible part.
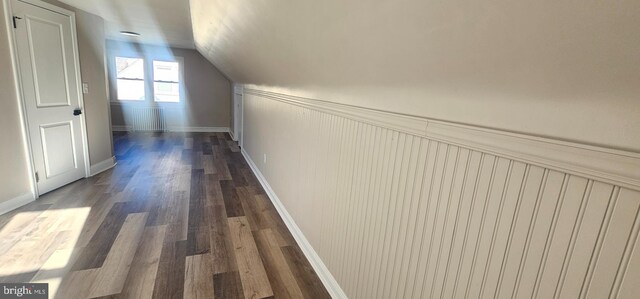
(180, 216)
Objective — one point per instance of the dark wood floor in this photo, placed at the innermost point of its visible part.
(179, 216)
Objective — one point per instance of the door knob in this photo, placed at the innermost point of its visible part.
(77, 111)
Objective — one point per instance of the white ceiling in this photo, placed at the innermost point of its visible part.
(158, 21)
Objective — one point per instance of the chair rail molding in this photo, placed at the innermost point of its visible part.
(619, 167)
(387, 205)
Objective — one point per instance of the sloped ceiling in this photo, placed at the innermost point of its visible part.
(160, 22)
(519, 65)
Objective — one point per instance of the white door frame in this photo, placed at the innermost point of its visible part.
(19, 91)
(238, 113)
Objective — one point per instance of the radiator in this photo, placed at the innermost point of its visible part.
(148, 119)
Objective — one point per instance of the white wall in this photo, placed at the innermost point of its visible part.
(14, 175)
(401, 207)
(559, 68)
(91, 45)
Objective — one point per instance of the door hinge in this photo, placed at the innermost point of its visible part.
(37, 177)
(15, 18)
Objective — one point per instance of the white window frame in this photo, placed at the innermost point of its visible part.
(115, 78)
(148, 79)
(181, 96)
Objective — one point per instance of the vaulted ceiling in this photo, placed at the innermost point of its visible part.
(159, 22)
(549, 67)
(521, 65)
(556, 45)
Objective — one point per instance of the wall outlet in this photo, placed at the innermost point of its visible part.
(265, 159)
(85, 87)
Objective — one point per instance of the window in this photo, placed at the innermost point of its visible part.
(133, 82)
(166, 81)
(130, 79)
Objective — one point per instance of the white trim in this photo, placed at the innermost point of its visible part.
(83, 119)
(237, 112)
(607, 165)
(182, 92)
(103, 166)
(116, 128)
(199, 129)
(238, 88)
(16, 202)
(48, 6)
(236, 104)
(618, 167)
(399, 122)
(241, 141)
(232, 136)
(144, 79)
(326, 277)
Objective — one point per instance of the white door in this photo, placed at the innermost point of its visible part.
(237, 116)
(49, 76)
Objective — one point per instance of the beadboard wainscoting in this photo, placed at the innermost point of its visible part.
(395, 206)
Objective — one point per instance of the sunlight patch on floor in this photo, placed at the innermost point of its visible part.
(40, 246)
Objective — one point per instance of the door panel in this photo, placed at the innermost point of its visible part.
(58, 148)
(49, 76)
(49, 71)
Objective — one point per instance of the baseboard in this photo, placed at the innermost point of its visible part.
(16, 202)
(102, 166)
(179, 129)
(326, 277)
(233, 136)
(199, 129)
(121, 128)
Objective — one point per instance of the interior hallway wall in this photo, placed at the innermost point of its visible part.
(14, 174)
(400, 207)
(396, 213)
(208, 91)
